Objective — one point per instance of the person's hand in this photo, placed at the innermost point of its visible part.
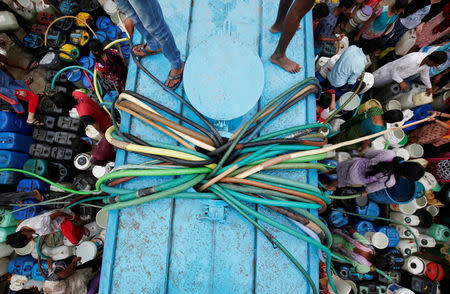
(364, 194)
(340, 37)
(404, 86)
(419, 28)
(429, 91)
(435, 113)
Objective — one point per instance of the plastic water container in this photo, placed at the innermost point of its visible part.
(7, 220)
(5, 250)
(391, 233)
(51, 61)
(5, 232)
(85, 81)
(101, 218)
(12, 159)
(125, 50)
(393, 105)
(112, 32)
(405, 43)
(37, 166)
(337, 219)
(350, 106)
(422, 98)
(22, 265)
(88, 250)
(27, 249)
(56, 253)
(439, 232)
(406, 99)
(74, 76)
(396, 138)
(404, 191)
(404, 233)
(87, 62)
(8, 22)
(407, 247)
(103, 23)
(371, 209)
(42, 7)
(15, 141)
(27, 11)
(28, 185)
(362, 226)
(426, 241)
(36, 273)
(372, 103)
(69, 52)
(414, 265)
(111, 9)
(11, 122)
(9, 178)
(101, 36)
(109, 97)
(406, 219)
(29, 212)
(362, 15)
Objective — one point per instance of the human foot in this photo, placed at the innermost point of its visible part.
(276, 28)
(141, 51)
(285, 63)
(175, 77)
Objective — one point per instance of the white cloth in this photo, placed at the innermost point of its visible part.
(42, 224)
(403, 68)
(413, 20)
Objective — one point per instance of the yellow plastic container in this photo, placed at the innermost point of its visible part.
(86, 17)
(72, 50)
(372, 103)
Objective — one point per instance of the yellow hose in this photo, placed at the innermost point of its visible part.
(152, 150)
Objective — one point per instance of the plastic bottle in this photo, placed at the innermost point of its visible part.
(406, 219)
(405, 234)
(415, 265)
(362, 15)
(439, 232)
(397, 289)
(406, 247)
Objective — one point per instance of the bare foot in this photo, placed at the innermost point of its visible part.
(276, 28)
(285, 63)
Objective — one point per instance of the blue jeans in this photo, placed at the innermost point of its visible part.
(149, 21)
(8, 86)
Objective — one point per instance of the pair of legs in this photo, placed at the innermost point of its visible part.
(148, 19)
(290, 13)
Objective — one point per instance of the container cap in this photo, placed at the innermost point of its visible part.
(367, 10)
(353, 104)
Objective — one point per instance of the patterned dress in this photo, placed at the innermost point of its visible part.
(113, 68)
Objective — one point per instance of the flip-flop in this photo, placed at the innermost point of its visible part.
(178, 77)
(35, 123)
(145, 52)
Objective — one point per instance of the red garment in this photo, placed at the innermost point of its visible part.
(31, 98)
(72, 232)
(86, 106)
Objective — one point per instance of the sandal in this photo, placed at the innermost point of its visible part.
(178, 78)
(35, 123)
(140, 51)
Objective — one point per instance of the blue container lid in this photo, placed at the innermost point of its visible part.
(103, 22)
(101, 36)
(112, 32)
(362, 226)
(74, 75)
(87, 62)
(404, 191)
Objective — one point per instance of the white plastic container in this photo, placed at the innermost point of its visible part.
(321, 62)
(414, 265)
(27, 11)
(415, 150)
(406, 99)
(405, 234)
(369, 81)
(56, 253)
(396, 138)
(405, 43)
(111, 9)
(422, 98)
(428, 181)
(342, 156)
(92, 133)
(42, 7)
(397, 289)
(8, 22)
(99, 171)
(324, 70)
(426, 241)
(5, 250)
(402, 152)
(406, 219)
(406, 247)
(82, 161)
(336, 123)
(420, 203)
(378, 143)
(408, 208)
(354, 103)
(393, 105)
(433, 210)
(17, 282)
(377, 239)
(27, 249)
(362, 15)
(88, 250)
(102, 218)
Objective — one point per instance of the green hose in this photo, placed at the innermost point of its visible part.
(38, 248)
(67, 68)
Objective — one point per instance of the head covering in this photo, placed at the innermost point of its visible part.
(72, 232)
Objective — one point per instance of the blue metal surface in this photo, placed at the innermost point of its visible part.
(186, 246)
